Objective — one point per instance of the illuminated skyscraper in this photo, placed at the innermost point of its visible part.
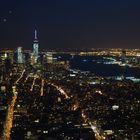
(32, 59)
(35, 47)
(19, 55)
(49, 57)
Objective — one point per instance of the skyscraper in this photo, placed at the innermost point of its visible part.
(123, 56)
(35, 47)
(19, 55)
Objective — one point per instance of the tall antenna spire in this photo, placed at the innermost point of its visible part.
(35, 34)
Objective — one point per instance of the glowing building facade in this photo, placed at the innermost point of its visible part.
(35, 47)
(49, 57)
(19, 55)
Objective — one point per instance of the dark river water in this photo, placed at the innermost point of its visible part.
(95, 64)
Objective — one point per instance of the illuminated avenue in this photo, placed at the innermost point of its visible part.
(9, 119)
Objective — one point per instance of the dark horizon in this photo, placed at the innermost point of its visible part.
(70, 24)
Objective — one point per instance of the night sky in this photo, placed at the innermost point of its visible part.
(70, 23)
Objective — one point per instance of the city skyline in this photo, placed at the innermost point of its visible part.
(69, 70)
(90, 95)
(70, 24)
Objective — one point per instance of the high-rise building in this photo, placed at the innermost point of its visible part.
(3, 56)
(19, 55)
(11, 57)
(123, 56)
(32, 59)
(7, 64)
(49, 57)
(35, 47)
